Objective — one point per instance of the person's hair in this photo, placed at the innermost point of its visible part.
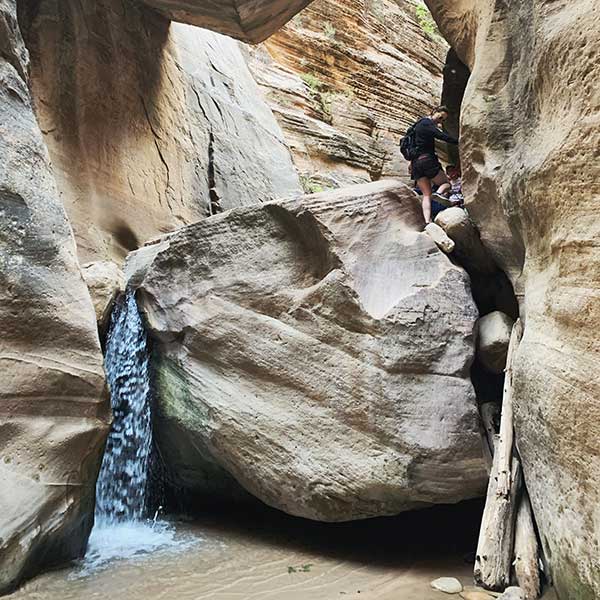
(441, 108)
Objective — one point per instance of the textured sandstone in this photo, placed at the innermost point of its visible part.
(53, 417)
(150, 126)
(248, 20)
(493, 335)
(318, 350)
(530, 138)
(345, 79)
(105, 281)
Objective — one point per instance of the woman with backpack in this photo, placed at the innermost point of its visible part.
(418, 146)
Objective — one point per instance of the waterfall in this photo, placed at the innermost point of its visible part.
(122, 483)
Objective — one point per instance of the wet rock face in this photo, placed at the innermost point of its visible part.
(53, 413)
(530, 134)
(247, 20)
(318, 351)
(345, 79)
(150, 125)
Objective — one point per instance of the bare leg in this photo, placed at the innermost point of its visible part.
(425, 187)
(442, 181)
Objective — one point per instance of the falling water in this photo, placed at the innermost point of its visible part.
(121, 487)
(122, 530)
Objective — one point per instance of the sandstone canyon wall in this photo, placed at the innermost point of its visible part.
(530, 139)
(150, 125)
(316, 351)
(345, 79)
(53, 409)
(247, 20)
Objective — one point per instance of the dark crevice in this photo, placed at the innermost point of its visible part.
(215, 202)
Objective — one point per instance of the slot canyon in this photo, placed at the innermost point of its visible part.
(238, 362)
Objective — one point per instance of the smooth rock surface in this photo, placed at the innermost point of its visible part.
(53, 413)
(247, 20)
(448, 585)
(438, 235)
(531, 178)
(512, 593)
(105, 282)
(345, 79)
(317, 350)
(470, 251)
(493, 335)
(150, 125)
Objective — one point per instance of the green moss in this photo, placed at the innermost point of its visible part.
(329, 30)
(426, 21)
(312, 81)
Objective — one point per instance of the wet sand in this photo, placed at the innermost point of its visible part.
(263, 555)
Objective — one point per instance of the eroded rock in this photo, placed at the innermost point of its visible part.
(247, 20)
(345, 79)
(53, 413)
(105, 282)
(533, 192)
(150, 125)
(493, 335)
(318, 351)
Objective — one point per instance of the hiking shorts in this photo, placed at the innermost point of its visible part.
(429, 167)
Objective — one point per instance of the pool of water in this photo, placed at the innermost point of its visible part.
(263, 555)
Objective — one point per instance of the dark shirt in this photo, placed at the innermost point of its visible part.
(426, 132)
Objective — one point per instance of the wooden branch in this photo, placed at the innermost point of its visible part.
(496, 538)
(526, 555)
(506, 421)
(489, 412)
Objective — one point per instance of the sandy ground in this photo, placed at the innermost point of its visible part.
(265, 556)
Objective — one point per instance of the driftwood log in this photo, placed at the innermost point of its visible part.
(506, 420)
(489, 412)
(526, 554)
(494, 556)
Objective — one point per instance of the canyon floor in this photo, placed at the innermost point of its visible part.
(262, 555)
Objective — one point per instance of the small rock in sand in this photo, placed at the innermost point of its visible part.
(512, 593)
(449, 585)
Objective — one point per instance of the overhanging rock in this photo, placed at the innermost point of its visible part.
(247, 20)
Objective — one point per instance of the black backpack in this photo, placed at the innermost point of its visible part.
(408, 144)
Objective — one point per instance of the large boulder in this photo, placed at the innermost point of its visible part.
(150, 125)
(53, 413)
(530, 137)
(247, 20)
(318, 351)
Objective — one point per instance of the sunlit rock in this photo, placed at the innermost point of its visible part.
(53, 414)
(247, 20)
(316, 350)
(530, 133)
(493, 335)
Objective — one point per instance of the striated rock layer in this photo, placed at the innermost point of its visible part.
(150, 126)
(318, 351)
(53, 414)
(345, 79)
(530, 139)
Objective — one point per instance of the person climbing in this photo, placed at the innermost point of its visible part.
(456, 197)
(418, 146)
